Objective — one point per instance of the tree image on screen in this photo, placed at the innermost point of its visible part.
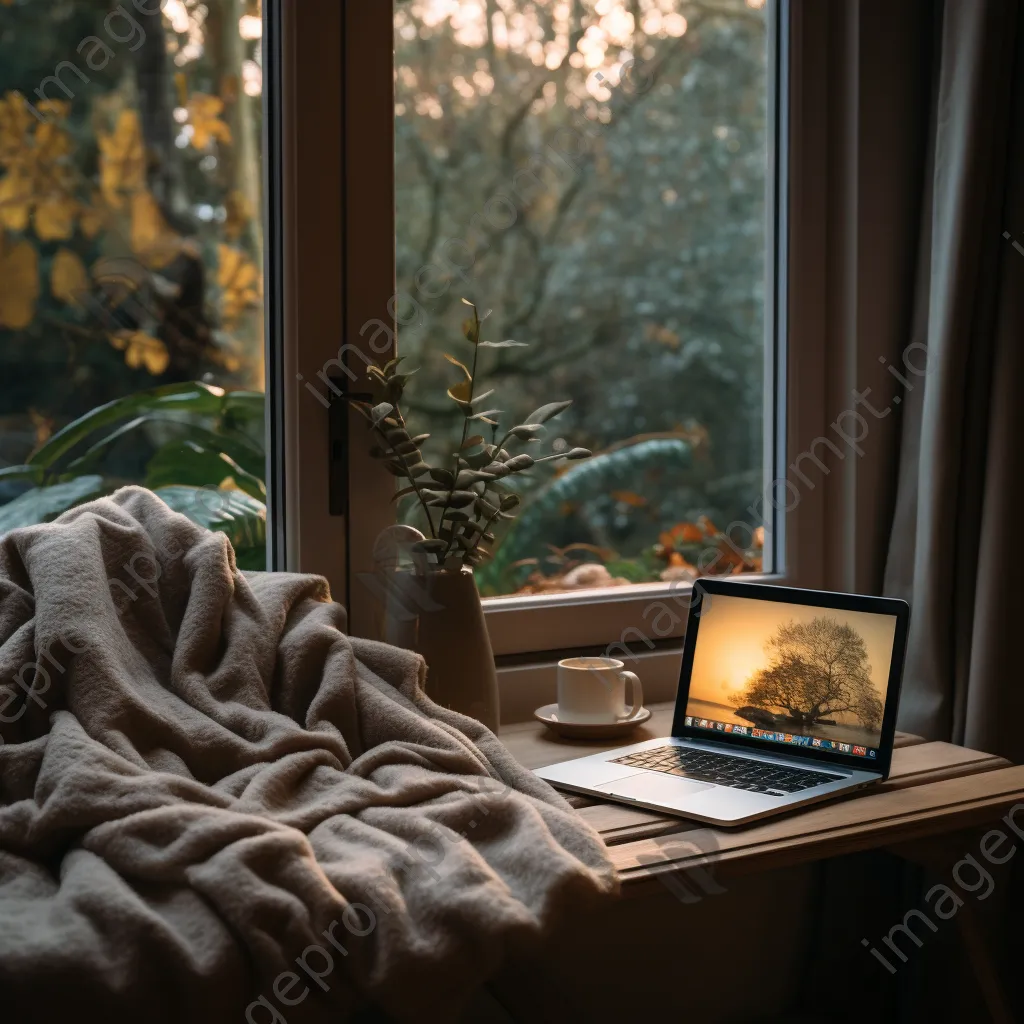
(817, 670)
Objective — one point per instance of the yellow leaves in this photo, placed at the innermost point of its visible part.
(19, 284)
(55, 217)
(141, 349)
(151, 238)
(239, 281)
(69, 279)
(91, 221)
(15, 122)
(15, 199)
(463, 391)
(122, 160)
(39, 183)
(204, 114)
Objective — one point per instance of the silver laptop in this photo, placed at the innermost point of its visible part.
(786, 697)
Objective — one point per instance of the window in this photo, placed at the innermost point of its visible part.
(603, 178)
(131, 259)
(594, 176)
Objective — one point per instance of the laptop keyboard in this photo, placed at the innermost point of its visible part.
(725, 770)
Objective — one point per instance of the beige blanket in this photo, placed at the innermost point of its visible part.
(215, 806)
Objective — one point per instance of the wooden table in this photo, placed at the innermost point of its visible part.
(935, 791)
(933, 788)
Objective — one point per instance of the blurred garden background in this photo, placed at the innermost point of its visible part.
(131, 257)
(629, 270)
(613, 222)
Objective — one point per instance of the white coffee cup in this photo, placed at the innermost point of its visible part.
(593, 691)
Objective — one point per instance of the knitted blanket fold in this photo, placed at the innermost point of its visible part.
(216, 806)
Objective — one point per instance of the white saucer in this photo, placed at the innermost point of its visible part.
(589, 730)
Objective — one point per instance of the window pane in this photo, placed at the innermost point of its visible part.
(592, 175)
(131, 257)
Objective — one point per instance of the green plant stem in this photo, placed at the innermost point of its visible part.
(465, 429)
(490, 522)
(412, 479)
(408, 475)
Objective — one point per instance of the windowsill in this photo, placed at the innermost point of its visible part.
(588, 618)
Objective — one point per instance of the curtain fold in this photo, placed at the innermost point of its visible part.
(955, 527)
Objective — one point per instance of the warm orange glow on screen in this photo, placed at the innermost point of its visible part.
(733, 651)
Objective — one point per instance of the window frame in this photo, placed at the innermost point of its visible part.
(338, 227)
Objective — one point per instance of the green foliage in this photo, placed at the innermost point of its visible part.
(585, 489)
(242, 518)
(130, 242)
(44, 504)
(199, 438)
(474, 494)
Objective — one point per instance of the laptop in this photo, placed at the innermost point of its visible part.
(786, 697)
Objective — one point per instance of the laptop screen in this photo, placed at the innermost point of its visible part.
(803, 675)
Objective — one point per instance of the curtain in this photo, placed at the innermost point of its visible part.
(955, 537)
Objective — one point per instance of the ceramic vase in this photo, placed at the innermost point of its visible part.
(438, 614)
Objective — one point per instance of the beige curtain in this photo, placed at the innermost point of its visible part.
(956, 541)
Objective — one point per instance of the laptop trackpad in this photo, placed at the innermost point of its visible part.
(669, 790)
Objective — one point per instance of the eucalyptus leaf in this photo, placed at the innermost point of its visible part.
(519, 462)
(527, 431)
(429, 546)
(462, 366)
(504, 344)
(468, 477)
(475, 460)
(460, 499)
(547, 412)
(460, 394)
(380, 412)
(471, 442)
(443, 476)
(485, 508)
